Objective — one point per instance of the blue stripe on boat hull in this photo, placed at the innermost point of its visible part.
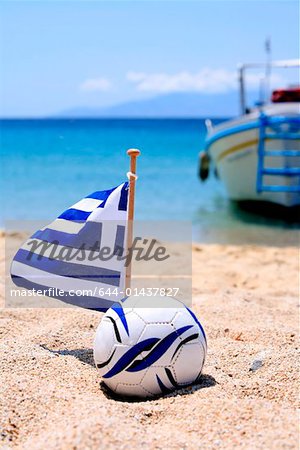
(231, 130)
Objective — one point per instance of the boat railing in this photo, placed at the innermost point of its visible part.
(242, 68)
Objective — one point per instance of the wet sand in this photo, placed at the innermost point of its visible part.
(247, 299)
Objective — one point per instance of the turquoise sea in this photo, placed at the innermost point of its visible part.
(47, 165)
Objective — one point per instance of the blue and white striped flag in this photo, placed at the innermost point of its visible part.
(66, 259)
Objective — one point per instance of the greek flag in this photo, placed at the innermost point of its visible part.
(79, 258)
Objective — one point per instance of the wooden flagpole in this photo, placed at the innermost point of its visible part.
(133, 153)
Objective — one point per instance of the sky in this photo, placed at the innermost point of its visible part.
(56, 55)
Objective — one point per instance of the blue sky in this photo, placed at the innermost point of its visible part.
(56, 55)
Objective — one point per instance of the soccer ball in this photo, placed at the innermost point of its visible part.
(144, 351)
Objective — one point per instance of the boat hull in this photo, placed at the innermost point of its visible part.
(234, 150)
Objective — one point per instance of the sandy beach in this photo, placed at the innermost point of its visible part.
(247, 299)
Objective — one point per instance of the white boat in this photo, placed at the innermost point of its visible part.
(257, 155)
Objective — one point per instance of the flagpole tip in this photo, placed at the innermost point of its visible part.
(133, 152)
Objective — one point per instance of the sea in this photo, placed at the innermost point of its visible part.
(48, 165)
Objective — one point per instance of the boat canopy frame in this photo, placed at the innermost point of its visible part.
(284, 64)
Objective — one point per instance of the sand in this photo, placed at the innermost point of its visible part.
(247, 300)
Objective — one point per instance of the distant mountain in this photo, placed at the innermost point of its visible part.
(169, 105)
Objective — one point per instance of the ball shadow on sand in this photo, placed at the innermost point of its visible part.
(86, 356)
(205, 381)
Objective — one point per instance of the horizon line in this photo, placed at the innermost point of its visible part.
(114, 117)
